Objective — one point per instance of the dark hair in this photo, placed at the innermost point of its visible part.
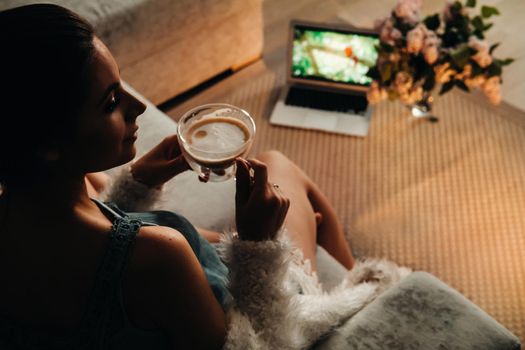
(45, 52)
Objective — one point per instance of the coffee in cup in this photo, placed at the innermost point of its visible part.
(212, 137)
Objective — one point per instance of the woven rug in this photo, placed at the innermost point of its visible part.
(446, 197)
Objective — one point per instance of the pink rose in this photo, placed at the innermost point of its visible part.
(408, 10)
(492, 89)
(415, 38)
(387, 33)
(375, 93)
(444, 73)
(447, 11)
(403, 82)
(431, 47)
(482, 56)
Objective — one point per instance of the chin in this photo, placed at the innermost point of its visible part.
(130, 154)
(126, 156)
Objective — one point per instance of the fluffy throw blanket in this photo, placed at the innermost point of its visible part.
(278, 302)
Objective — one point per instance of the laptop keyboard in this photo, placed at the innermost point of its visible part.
(326, 100)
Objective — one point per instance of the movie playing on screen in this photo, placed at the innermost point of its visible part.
(333, 56)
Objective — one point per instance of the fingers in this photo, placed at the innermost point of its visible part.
(243, 183)
(172, 147)
(260, 174)
(282, 204)
(178, 165)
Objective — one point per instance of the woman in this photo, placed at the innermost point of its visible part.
(79, 273)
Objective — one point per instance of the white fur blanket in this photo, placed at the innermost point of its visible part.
(278, 303)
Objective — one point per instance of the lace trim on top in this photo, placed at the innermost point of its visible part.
(97, 315)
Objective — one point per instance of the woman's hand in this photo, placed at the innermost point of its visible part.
(160, 164)
(260, 208)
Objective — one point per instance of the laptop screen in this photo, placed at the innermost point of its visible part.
(324, 55)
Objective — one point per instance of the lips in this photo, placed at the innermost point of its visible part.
(133, 136)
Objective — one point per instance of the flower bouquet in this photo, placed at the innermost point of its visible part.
(443, 50)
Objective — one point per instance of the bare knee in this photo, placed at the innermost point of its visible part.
(281, 168)
(278, 162)
(272, 156)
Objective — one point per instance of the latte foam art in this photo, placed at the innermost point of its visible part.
(220, 135)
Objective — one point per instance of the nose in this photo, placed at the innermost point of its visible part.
(135, 107)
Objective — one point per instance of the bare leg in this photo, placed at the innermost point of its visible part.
(310, 219)
(330, 233)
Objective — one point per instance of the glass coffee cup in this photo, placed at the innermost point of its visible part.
(212, 136)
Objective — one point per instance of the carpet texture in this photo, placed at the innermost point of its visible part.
(446, 197)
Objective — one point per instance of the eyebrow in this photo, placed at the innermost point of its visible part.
(110, 88)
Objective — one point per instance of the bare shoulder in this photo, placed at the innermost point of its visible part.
(159, 245)
(166, 287)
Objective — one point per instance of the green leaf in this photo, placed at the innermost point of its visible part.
(430, 82)
(386, 48)
(477, 23)
(432, 22)
(460, 84)
(488, 11)
(506, 61)
(493, 47)
(479, 34)
(446, 87)
(494, 69)
(476, 69)
(487, 26)
(460, 56)
(386, 72)
(471, 3)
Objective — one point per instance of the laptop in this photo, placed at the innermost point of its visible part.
(327, 78)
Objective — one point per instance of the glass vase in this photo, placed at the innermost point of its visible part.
(423, 108)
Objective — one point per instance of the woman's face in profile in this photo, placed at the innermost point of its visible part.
(106, 128)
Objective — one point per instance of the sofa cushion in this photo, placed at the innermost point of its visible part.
(421, 312)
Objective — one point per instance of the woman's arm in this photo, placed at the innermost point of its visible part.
(167, 285)
(138, 187)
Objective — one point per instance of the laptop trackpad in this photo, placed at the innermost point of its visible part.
(323, 122)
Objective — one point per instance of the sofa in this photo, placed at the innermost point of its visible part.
(166, 47)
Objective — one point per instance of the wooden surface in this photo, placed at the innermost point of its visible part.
(448, 198)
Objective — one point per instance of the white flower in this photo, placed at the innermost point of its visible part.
(444, 73)
(375, 93)
(415, 38)
(408, 10)
(492, 89)
(482, 56)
